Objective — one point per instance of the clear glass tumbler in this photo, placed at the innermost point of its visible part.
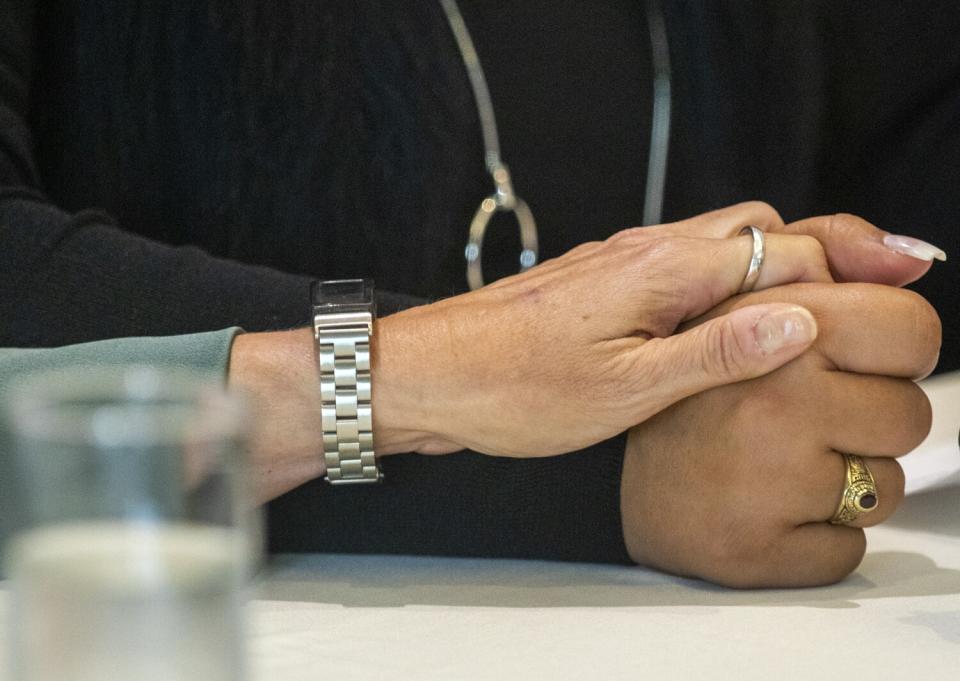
(136, 530)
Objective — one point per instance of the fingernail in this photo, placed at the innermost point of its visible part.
(789, 326)
(915, 248)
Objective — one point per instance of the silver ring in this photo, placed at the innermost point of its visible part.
(756, 259)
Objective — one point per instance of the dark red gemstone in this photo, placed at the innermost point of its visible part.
(868, 501)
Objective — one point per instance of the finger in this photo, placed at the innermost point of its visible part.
(788, 259)
(722, 264)
(717, 224)
(688, 276)
(819, 489)
(864, 328)
(823, 500)
(745, 344)
(877, 329)
(812, 555)
(856, 250)
(697, 273)
(873, 415)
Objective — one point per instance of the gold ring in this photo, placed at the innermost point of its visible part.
(859, 492)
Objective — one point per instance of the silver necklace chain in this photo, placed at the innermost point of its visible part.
(660, 127)
(504, 198)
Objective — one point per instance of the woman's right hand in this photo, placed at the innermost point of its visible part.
(570, 353)
(579, 348)
(736, 485)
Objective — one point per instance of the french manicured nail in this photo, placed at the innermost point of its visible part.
(780, 329)
(915, 248)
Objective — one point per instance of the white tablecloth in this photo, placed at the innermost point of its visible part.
(367, 617)
(398, 618)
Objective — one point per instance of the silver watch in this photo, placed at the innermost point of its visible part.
(343, 314)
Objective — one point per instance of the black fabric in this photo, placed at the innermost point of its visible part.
(467, 504)
(172, 167)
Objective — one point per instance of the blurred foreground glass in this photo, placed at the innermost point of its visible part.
(136, 531)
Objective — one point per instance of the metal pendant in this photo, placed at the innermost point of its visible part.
(504, 200)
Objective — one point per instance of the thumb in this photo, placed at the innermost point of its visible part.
(737, 346)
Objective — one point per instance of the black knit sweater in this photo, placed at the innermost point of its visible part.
(174, 167)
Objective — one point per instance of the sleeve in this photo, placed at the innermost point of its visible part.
(466, 504)
(895, 140)
(69, 278)
(208, 353)
(204, 352)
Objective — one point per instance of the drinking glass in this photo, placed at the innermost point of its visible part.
(135, 529)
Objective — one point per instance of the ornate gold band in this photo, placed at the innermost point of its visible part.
(859, 492)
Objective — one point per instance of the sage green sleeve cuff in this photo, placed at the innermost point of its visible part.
(204, 352)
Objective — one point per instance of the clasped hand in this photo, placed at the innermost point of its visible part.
(737, 405)
(581, 347)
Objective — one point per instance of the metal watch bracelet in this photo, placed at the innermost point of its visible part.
(343, 326)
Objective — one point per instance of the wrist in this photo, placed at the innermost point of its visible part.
(277, 371)
(406, 390)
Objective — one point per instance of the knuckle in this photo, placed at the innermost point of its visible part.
(768, 214)
(896, 486)
(723, 353)
(810, 245)
(627, 376)
(917, 416)
(750, 566)
(659, 264)
(628, 234)
(726, 554)
(930, 331)
(926, 325)
(914, 320)
(584, 248)
(846, 223)
(814, 255)
(812, 248)
(843, 560)
(657, 247)
(739, 560)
